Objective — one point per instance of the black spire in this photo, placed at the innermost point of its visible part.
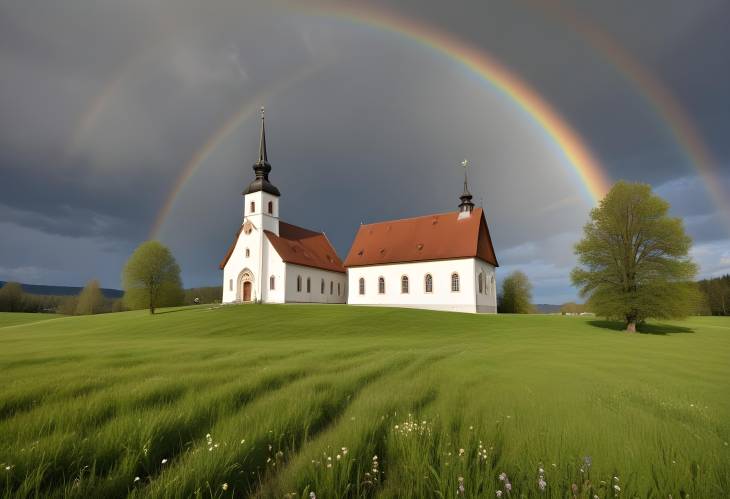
(466, 205)
(262, 167)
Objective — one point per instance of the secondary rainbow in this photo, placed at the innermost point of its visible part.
(654, 92)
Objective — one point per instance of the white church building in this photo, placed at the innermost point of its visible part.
(444, 261)
(271, 261)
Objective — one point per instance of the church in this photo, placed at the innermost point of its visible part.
(271, 261)
(444, 261)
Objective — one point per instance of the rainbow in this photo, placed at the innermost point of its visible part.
(578, 155)
(246, 109)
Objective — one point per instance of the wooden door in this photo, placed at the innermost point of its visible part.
(247, 291)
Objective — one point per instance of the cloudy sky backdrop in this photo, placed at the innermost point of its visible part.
(105, 104)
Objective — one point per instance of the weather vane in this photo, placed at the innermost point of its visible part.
(465, 166)
(262, 112)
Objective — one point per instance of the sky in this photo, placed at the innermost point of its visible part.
(124, 121)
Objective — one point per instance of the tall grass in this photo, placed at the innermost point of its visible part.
(330, 401)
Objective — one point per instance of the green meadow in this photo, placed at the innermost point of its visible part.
(337, 401)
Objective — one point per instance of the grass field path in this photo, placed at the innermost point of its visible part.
(337, 401)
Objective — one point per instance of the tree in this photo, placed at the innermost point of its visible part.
(633, 258)
(572, 308)
(91, 300)
(516, 296)
(151, 278)
(11, 297)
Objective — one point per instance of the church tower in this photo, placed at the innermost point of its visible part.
(261, 197)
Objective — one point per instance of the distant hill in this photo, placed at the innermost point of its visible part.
(546, 308)
(39, 289)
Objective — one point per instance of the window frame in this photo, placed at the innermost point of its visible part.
(381, 285)
(252, 207)
(271, 208)
(361, 286)
(404, 290)
(299, 284)
(309, 284)
(457, 281)
(428, 283)
(272, 283)
(321, 287)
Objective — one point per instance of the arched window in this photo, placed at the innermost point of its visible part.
(362, 286)
(381, 285)
(309, 285)
(299, 284)
(332, 287)
(338, 289)
(321, 287)
(248, 252)
(271, 282)
(252, 207)
(481, 282)
(428, 283)
(404, 284)
(230, 284)
(454, 282)
(271, 207)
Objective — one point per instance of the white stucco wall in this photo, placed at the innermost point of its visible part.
(467, 299)
(262, 260)
(315, 295)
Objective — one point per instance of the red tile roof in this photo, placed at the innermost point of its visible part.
(305, 247)
(298, 246)
(431, 237)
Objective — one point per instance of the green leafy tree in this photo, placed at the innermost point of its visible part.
(633, 258)
(151, 278)
(516, 296)
(11, 297)
(91, 300)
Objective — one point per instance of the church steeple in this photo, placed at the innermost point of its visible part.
(466, 206)
(262, 168)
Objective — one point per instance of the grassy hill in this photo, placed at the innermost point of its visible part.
(345, 401)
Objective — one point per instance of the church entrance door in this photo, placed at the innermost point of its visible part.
(247, 291)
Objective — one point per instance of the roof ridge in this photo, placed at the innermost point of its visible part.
(415, 218)
(300, 227)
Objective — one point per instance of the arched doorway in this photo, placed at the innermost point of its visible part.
(244, 291)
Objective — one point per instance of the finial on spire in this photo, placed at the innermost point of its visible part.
(262, 112)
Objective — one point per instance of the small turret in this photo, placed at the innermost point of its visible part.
(466, 206)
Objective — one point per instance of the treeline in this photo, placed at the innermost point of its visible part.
(715, 296)
(89, 301)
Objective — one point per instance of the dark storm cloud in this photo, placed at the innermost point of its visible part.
(103, 103)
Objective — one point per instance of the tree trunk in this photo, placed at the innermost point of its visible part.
(631, 323)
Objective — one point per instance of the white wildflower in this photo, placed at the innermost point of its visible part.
(136, 479)
(499, 493)
(224, 486)
(164, 461)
